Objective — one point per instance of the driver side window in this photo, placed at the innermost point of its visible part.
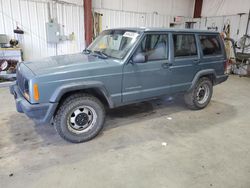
(154, 47)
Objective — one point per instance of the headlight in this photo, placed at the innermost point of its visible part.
(26, 92)
(26, 95)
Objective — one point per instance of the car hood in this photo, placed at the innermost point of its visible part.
(66, 63)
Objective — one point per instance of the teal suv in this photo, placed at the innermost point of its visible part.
(120, 67)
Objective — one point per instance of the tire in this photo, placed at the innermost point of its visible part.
(79, 118)
(200, 95)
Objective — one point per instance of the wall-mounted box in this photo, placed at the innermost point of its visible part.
(53, 32)
(3, 39)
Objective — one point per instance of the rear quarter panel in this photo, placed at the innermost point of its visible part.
(215, 62)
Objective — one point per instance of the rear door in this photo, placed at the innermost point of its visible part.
(186, 58)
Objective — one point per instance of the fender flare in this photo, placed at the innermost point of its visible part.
(60, 91)
(201, 73)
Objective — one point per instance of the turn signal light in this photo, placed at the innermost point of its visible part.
(36, 92)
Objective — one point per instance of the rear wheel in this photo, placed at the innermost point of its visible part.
(200, 95)
(80, 118)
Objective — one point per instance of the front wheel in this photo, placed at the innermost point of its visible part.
(79, 118)
(199, 97)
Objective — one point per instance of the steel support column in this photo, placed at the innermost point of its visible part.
(197, 8)
(88, 21)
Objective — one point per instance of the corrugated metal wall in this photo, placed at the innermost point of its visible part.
(220, 12)
(117, 18)
(224, 7)
(236, 22)
(237, 25)
(31, 17)
(164, 7)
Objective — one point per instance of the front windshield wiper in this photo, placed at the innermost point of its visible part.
(101, 54)
(86, 51)
(96, 52)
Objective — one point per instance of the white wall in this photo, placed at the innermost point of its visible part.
(31, 16)
(224, 7)
(236, 23)
(142, 13)
(220, 12)
(116, 18)
(165, 7)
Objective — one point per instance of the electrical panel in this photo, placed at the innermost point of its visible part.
(53, 32)
(3, 39)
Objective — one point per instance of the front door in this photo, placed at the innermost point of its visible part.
(150, 78)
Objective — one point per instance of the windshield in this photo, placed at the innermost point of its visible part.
(114, 43)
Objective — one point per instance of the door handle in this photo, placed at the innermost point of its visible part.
(196, 61)
(166, 65)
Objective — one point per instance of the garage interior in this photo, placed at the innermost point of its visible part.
(158, 143)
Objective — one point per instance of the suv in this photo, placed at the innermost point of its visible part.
(121, 66)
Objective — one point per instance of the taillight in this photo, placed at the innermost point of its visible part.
(226, 63)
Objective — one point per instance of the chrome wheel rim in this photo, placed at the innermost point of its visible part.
(203, 93)
(82, 119)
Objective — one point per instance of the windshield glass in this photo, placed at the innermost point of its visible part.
(114, 43)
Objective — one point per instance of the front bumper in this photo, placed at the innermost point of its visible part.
(41, 113)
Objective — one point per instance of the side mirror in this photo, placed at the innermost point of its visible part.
(139, 58)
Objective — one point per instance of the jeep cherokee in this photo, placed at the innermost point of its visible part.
(120, 67)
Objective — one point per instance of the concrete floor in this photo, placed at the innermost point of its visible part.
(207, 148)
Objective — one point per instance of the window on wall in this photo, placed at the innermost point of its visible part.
(154, 47)
(184, 45)
(210, 45)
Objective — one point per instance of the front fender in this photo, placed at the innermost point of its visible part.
(60, 91)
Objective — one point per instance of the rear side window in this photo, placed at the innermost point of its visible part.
(210, 45)
(184, 45)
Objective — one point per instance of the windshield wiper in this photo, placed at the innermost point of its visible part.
(86, 51)
(101, 54)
